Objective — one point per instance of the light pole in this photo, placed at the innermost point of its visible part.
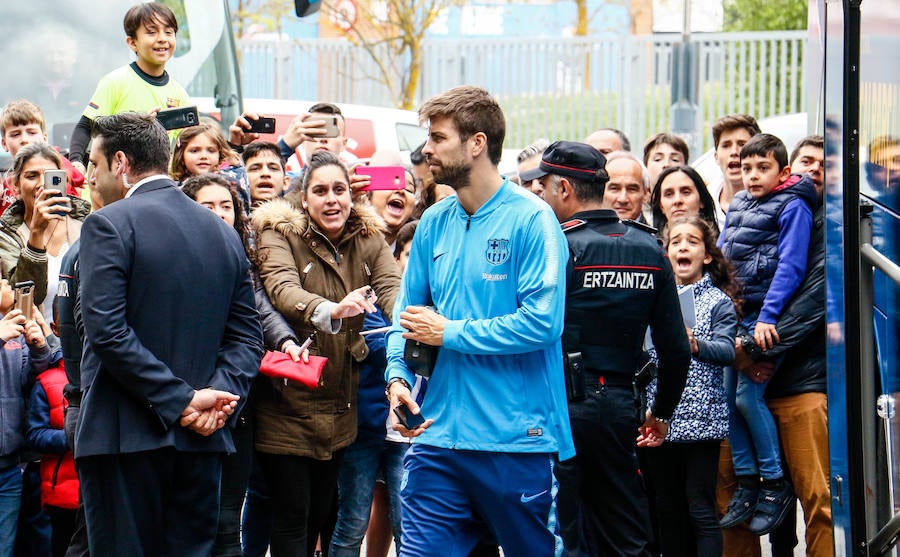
(684, 86)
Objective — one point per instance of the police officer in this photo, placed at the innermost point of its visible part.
(619, 281)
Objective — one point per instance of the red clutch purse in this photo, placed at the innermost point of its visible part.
(280, 365)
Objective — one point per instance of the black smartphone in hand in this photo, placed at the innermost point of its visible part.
(261, 125)
(407, 418)
(177, 118)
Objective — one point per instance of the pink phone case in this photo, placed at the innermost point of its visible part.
(383, 177)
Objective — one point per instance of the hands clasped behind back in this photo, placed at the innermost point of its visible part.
(208, 410)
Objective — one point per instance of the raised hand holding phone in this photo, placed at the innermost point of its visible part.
(12, 325)
(383, 177)
(55, 182)
(24, 295)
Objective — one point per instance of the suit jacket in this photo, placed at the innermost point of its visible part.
(168, 308)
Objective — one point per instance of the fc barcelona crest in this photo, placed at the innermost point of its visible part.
(497, 251)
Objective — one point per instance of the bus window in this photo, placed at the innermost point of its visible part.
(55, 53)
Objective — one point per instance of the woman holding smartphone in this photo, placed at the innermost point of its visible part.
(324, 262)
(37, 230)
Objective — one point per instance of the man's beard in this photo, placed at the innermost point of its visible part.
(455, 175)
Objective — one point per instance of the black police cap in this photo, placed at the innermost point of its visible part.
(573, 160)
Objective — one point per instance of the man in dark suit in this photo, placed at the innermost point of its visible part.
(172, 342)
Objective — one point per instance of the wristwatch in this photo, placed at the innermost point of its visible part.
(387, 388)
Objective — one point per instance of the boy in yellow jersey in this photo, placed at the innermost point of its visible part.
(141, 86)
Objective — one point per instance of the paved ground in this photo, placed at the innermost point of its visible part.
(799, 551)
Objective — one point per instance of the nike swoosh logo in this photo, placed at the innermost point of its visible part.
(435, 258)
(529, 498)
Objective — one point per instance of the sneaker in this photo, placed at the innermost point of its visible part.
(772, 507)
(741, 507)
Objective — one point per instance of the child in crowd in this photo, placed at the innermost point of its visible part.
(730, 133)
(766, 237)
(22, 122)
(265, 172)
(662, 151)
(141, 86)
(683, 470)
(203, 148)
(24, 353)
(45, 434)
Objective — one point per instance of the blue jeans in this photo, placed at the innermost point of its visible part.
(356, 481)
(752, 432)
(10, 500)
(256, 522)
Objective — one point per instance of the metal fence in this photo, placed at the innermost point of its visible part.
(553, 88)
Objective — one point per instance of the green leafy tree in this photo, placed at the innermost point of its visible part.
(765, 15)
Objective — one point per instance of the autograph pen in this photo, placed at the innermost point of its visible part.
(304, 346)
(307, 342)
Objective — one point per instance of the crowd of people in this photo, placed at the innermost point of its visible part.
(608, 355)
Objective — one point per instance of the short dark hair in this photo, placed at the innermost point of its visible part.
(590, 191)
(404, 236)
(257, 147)
(708, 206)
(472, 110)
(317, 161)
(666, 139)
(416, 157)
(139, 135)
(762, 144)
(147, 14)
(817, 141)
(731, 122)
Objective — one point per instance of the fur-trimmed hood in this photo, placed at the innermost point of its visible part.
(284, 217)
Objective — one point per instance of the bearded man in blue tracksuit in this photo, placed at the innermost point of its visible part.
(491, 261)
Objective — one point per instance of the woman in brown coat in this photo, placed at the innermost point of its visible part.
(324, 262)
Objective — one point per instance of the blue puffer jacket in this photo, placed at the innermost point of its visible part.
(372, 405)
(18, 363)
(767, 240)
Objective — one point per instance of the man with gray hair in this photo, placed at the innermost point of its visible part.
(529, 158)
(603, 509)
(628, 188)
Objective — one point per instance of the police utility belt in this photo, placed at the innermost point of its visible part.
(577, 376)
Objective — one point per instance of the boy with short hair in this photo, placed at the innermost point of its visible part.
(22, 122)
(730, 133)
(265, 171)
(766, 237)
(142, 85)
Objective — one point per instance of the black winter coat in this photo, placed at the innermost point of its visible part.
(802, 327)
